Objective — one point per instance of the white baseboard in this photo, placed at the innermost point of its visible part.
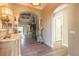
(48, 44)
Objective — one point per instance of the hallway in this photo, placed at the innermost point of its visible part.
(46, 25)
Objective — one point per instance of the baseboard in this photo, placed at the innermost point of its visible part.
(48, 45)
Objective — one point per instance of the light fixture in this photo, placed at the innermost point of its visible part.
(36, 4)
(6, 14)
(5, 10)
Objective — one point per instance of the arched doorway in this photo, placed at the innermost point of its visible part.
(28, 25)
(60, 26)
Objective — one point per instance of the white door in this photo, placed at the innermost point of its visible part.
(58, 27)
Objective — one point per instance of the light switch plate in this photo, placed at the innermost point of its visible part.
(72, 32)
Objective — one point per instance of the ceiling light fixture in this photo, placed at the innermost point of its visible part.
(36, 4)
(6, 11)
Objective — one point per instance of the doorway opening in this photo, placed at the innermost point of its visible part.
(58, 19)
(28, 21)
(60, 27)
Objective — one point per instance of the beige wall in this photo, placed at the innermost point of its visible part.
(73, 37)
